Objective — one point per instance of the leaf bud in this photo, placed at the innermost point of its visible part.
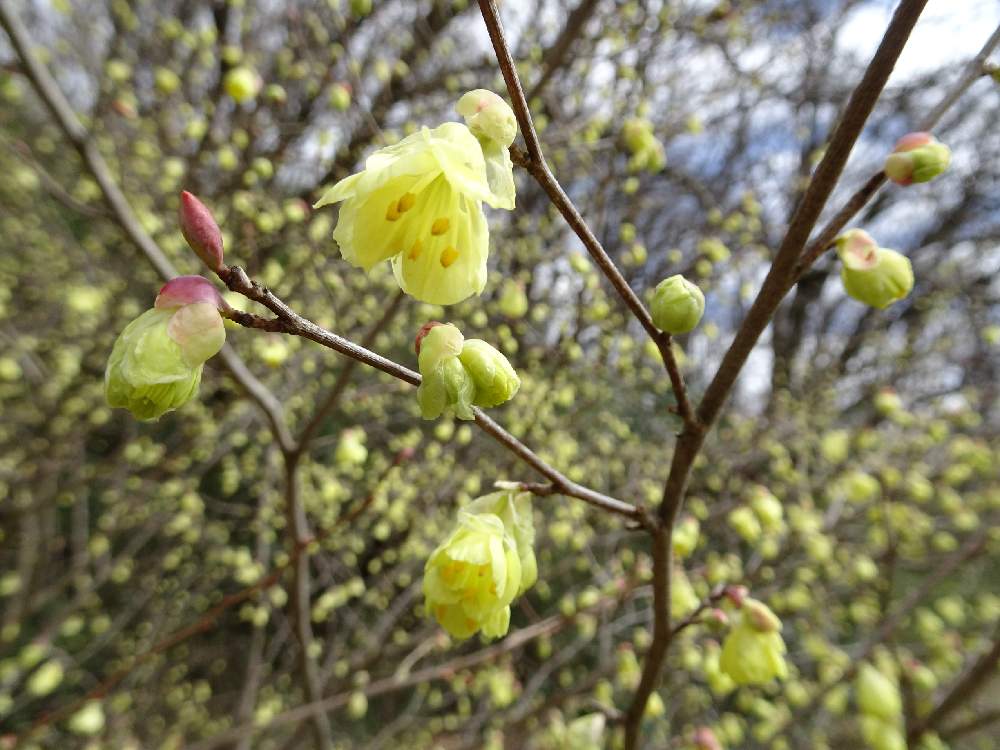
(200, 230)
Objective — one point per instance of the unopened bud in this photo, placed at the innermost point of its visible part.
(242, 84)
(495, 379)
(737, 594)
(201, 231)
(340, 96)
(488, 116)
(184, 290)
(760, 616)
(917, 157)
(677, 305)
(871, 274)
(705, 739)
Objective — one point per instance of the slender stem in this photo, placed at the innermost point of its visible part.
(535, 163)
(299, 600)
(974, 70)
(51, 95)
(326, 408)
(776, 285)
(960, 693)
(290, 322)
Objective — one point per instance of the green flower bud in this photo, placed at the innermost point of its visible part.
(471, 579)
(877, 694)
(89, 720)
(488, 116)
(445, 381)
(917, 157)
(156, 363)
(753, 652)
(677, 305)
(768, 509)
(242, 84)
(685, 536)
(881, 735)
(683, 600)
(873, 275)
(458, 373)
(351, 450)
(340, 96)
(494, 378)
(513, 301)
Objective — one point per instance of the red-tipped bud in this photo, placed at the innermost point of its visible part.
(185, 290)
(717, 617)
(201, 231)
(424, 330)
(705, 739)
(736, 594)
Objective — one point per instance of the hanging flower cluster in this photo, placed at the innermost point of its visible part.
(753, 652)
(881, 709)
(473, 576)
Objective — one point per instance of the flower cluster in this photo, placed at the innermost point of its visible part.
(458, 373)
(473, 576)
(647, 150)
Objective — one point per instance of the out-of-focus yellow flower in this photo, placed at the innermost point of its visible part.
(753, 652)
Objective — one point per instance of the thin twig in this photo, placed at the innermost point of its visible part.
(776, 285)
(535, 163)
(960, 693)
(290, 322)
(974, 70)
(51, 95)
(210, 618)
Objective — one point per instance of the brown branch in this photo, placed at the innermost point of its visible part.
(53, 98)
(326, 408)
(975, 69)
(210, 618)
(289, 322)
(555, 55)
(958, 695)
(776, 285)
(889, 625)
(534, 162)
(299, 599)
(402, 680)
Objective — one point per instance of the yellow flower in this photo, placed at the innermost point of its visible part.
(753, 652)
(471, 579)
(418, 203)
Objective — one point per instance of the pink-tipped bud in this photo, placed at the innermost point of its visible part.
(200, 230)
(717, 617)
(185, 290)
(424, 330)
(705, 739)
(917, 157)
(736, 594)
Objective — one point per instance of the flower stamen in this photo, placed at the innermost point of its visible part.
(448, 256)
(440, 226)
(391, 213)
(415, 250)
(406, 202)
